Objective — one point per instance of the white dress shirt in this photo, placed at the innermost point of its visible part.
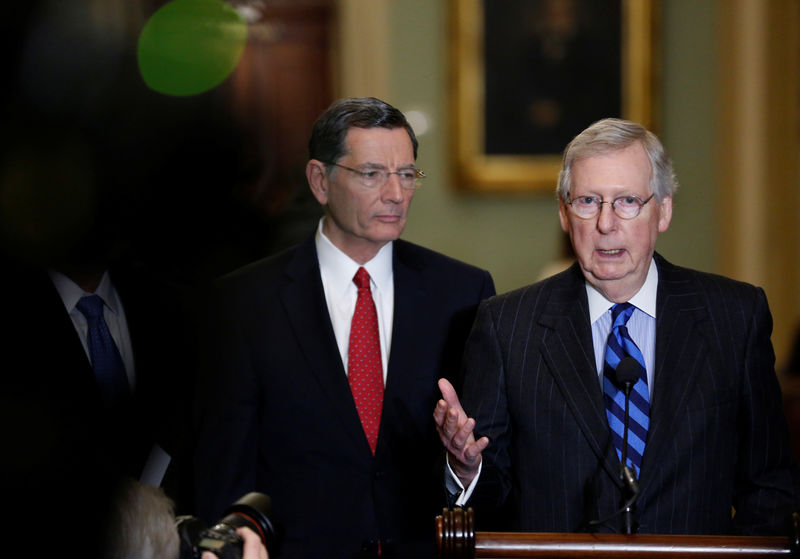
(337, 271)
(641, 325)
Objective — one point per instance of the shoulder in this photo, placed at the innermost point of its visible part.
(556, 292)
(725, 299)
(425, 259)
(266, 271)
(257, 286)
(435, 273)
(710, 285)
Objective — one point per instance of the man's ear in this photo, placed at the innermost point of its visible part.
(562, 215)
(664, 214)
(317, 178)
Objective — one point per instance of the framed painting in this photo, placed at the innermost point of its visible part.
(528, 75)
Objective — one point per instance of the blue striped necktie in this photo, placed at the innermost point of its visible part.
(621, 345)
(103, 353)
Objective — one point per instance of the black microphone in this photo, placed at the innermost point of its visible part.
(624, 377)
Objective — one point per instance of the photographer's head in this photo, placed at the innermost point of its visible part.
(141, 524)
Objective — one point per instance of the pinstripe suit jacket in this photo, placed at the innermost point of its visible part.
(717, 438)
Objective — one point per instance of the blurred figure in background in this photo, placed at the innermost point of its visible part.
(96, 178)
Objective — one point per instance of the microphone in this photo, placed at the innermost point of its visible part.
(625, 376)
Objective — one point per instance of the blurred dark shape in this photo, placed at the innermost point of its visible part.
(793, 364)
(790, 385)
(194, 186)
(99, 172)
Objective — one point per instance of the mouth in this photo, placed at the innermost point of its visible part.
(610, 252)
(389, 218)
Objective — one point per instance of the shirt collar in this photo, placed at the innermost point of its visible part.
(340, 268)
(644, 300)
(71, 293)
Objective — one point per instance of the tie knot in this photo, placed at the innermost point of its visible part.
(91, 306)
(620, 313)
(361, 279)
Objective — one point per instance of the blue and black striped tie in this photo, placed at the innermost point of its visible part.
(621, 345)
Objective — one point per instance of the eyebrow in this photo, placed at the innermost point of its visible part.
(384, 167)
(595, 195)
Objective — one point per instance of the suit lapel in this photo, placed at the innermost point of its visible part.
(408, 361)
(303, 300)
(680, 345)
(567, 348)
(64, 341)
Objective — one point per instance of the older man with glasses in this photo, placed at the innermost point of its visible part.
(624, 394)
(329, 356)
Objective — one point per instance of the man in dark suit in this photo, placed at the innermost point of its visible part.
(545, 383)
(67, 442)
(284, 414)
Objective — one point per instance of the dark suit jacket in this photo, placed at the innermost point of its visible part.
(717, 437)
(281, 419)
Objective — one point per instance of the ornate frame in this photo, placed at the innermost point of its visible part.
(476, 170)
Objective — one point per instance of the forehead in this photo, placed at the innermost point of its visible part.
(378, 144)
(626, 169)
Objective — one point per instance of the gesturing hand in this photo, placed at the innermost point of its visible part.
(455, 431)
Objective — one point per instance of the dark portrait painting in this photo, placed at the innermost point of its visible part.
(528, 75)
(552, 67)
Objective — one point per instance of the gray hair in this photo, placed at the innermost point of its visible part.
(142, 524)
(612, 134)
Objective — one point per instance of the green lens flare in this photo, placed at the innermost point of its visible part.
(190, 46)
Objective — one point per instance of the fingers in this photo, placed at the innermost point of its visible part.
(457, 430)
(440, 412)
(253, 548)
(473, 451)
(449, 393)
(449, 401)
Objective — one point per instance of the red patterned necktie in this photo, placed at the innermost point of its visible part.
(364, 369)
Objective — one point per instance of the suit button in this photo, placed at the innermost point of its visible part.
(379, 474)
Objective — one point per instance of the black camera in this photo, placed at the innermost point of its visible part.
(252, 510)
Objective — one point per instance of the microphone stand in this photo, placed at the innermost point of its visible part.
(628, 474)
(624, 377)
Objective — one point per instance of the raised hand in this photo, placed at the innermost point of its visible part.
(456, 433)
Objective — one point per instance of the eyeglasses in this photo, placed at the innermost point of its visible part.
(626, 207)
(375, 178)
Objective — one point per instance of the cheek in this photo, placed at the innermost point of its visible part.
(580, 235)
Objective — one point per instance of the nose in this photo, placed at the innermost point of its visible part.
(606, 218)
(392, 191)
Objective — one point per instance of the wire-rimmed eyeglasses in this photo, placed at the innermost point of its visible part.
(626, 207)
(409, 178)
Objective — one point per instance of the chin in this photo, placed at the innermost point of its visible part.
(606, 273)
(391, 233)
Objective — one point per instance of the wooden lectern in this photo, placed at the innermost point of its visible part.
(457, 539)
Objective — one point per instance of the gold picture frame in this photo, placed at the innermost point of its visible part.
(477, 168)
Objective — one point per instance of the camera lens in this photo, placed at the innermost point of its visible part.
(253, 510)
